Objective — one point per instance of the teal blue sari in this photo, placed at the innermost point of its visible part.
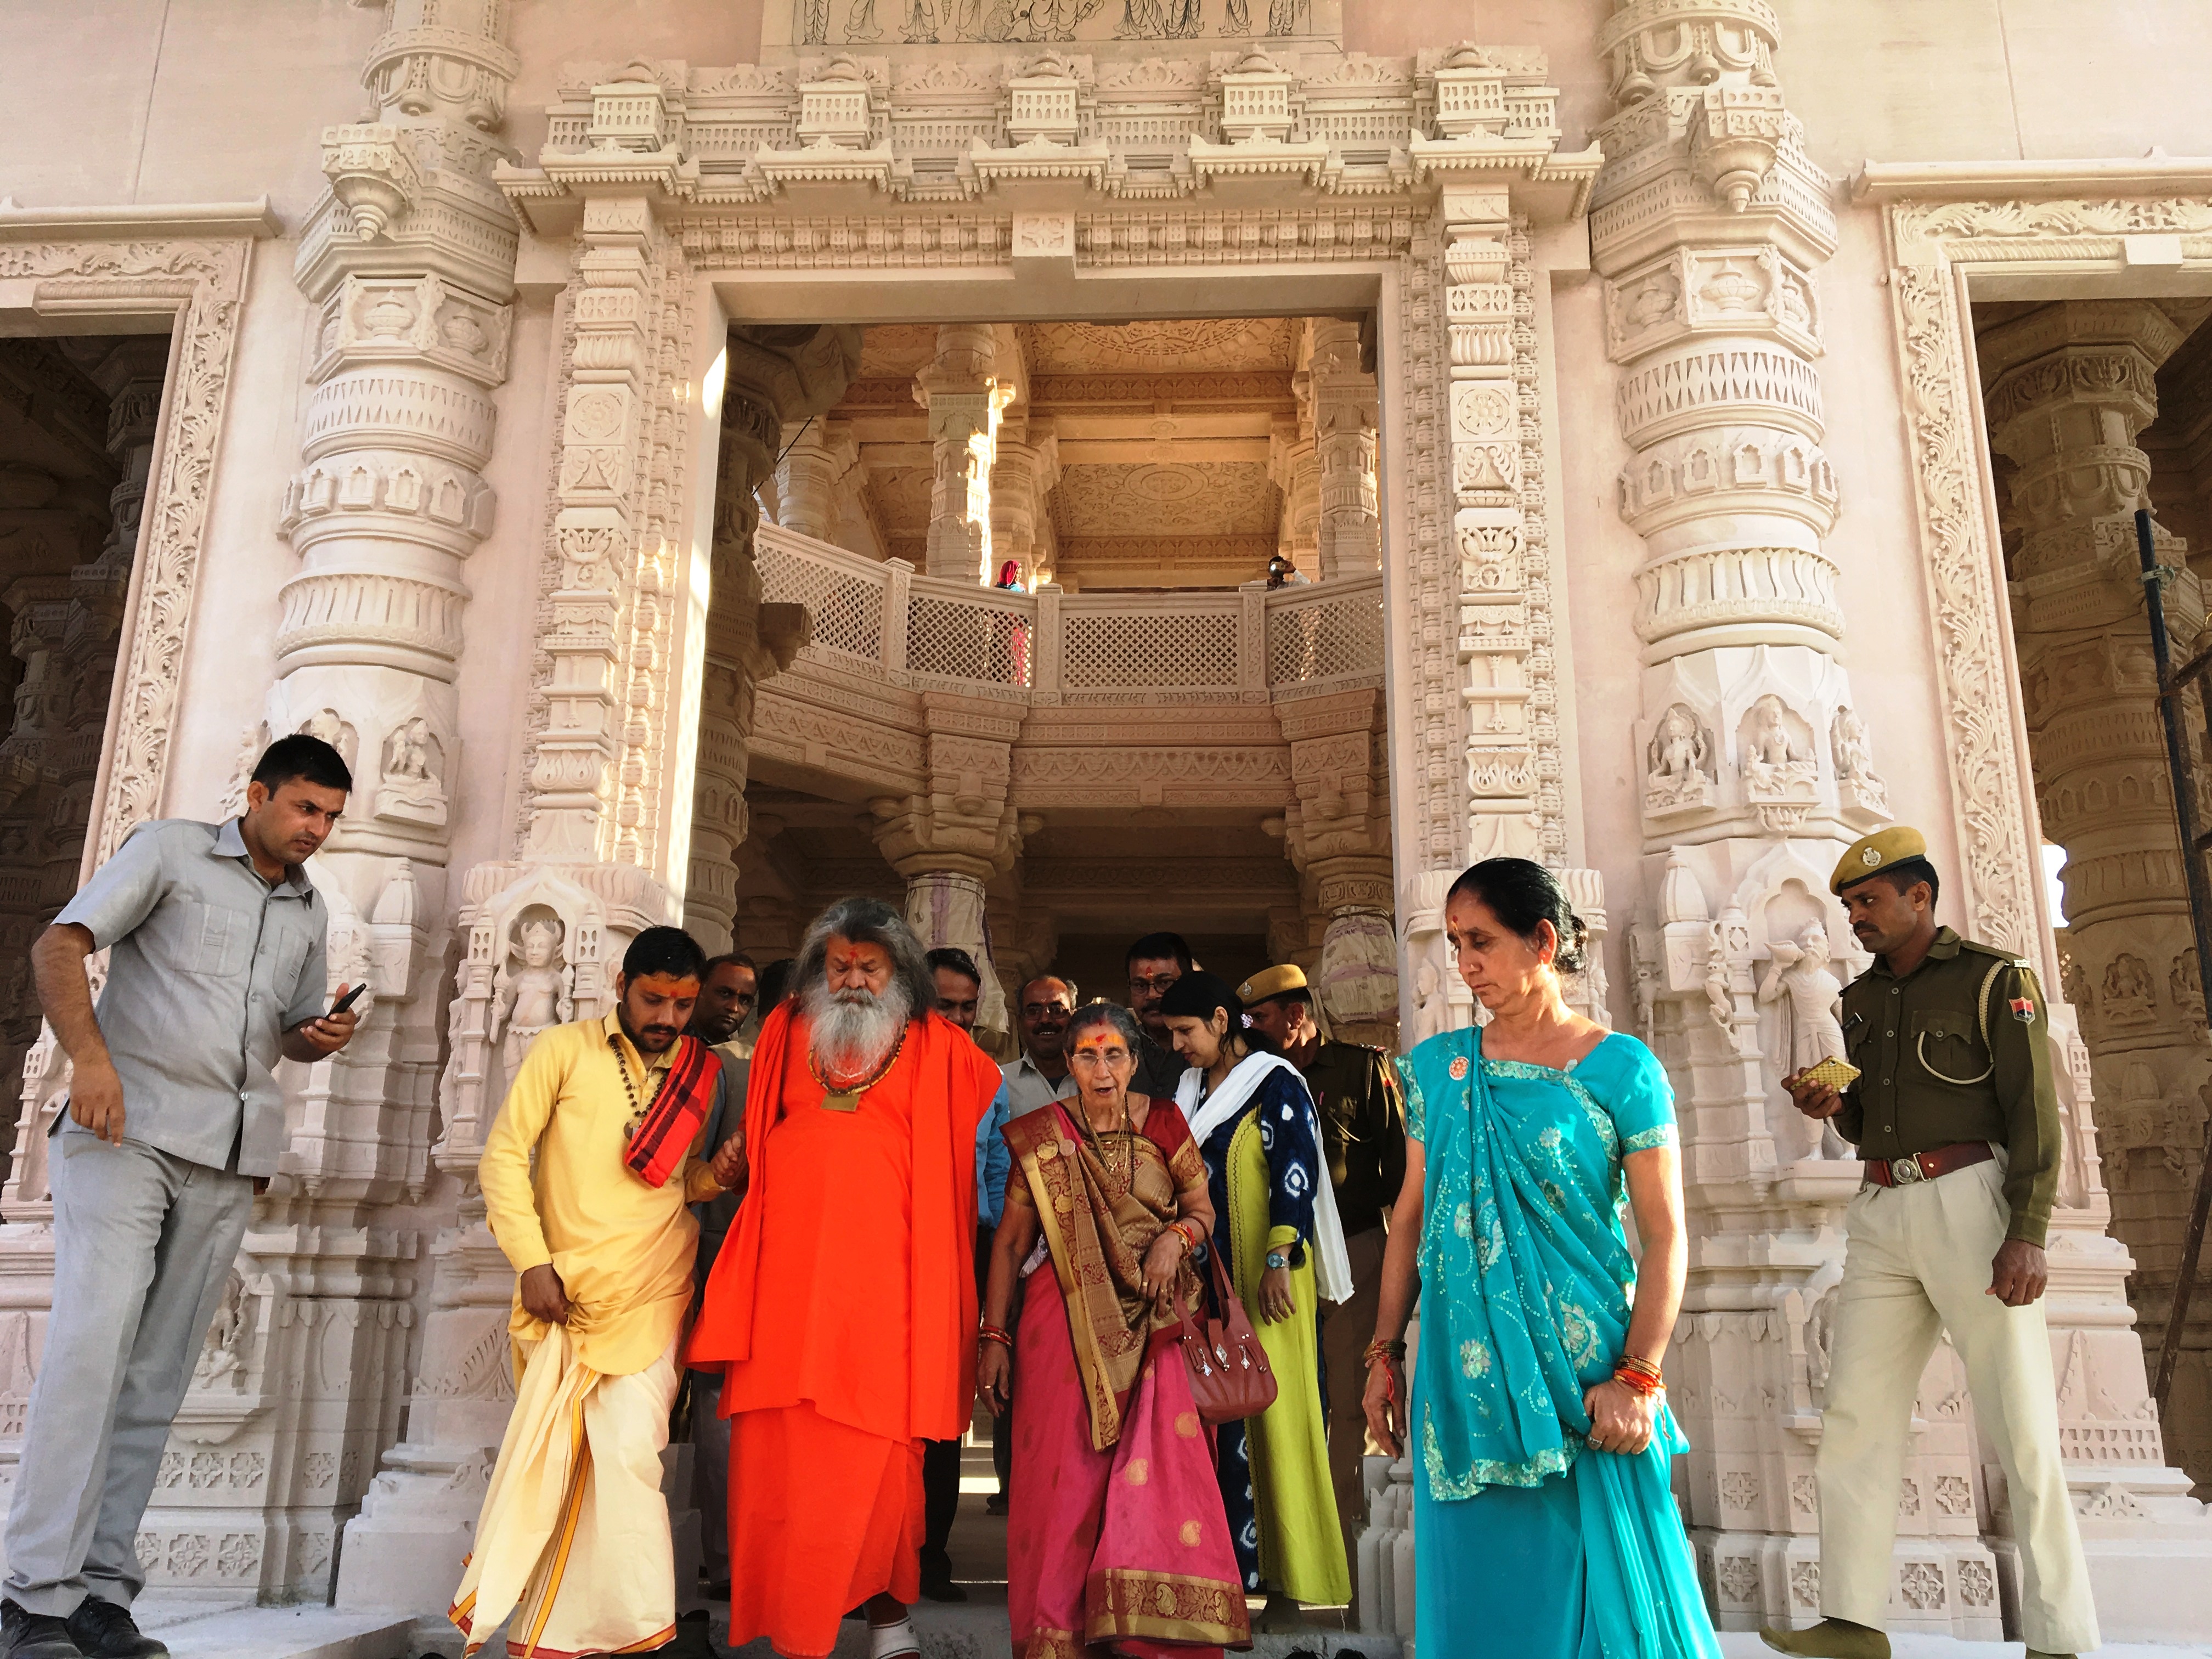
(1528, 1541)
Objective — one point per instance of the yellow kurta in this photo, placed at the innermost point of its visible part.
(572, 1550)
(623, 1249)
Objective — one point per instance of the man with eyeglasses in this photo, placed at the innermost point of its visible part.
(1155, 962)
(1038, 1076)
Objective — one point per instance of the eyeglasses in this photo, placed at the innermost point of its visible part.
(1161, 983)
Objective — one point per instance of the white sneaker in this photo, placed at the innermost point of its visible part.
(893, 1641)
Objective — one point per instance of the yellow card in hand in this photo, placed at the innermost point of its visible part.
(1839, 1074)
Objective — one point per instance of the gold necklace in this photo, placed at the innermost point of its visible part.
(1127, 1133)
(845, 1096)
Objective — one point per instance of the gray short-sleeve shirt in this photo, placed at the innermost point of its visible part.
(208, 967)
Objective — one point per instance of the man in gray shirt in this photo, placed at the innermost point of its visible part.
(215, 939)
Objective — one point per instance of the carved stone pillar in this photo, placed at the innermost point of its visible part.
(1025, 469)
(964, 399)
(775, 374)
(1348, 527)
(817, 454)
(1295, 466)
(2070, 387)
(1338, 834)
(948, 843)
(1709, 225)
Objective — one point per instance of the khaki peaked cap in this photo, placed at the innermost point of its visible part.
(1869, 855)
(1272, 982)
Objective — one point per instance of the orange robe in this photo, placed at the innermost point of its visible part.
(843, 1311)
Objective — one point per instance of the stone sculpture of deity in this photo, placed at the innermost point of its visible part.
(1676, 759)
(525, 999)
(1807, 998)
(1773, 758)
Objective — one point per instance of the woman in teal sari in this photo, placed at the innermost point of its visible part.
(1543, 1525)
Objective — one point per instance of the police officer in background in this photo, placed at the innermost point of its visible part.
(1954, 1112)
(1363, 1134)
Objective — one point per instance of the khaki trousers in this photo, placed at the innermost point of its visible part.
(1346, 1328)
(1917, 1263)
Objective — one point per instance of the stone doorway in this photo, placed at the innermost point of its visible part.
(2095, 406)
(77, 421)
(1018, 662)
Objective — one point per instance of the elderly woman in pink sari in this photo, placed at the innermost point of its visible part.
(1117, 1543)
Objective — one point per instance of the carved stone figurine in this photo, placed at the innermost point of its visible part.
(1676, 762)
(539, 993)
(1807, 997)
(2130, 996)
(1773, 758)
(410, 788)
(1431, 1015)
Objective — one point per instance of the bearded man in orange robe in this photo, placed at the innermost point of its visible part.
(843, 1308)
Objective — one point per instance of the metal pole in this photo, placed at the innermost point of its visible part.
(2200, 919)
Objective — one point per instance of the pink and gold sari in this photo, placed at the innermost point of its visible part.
(1117, 1543)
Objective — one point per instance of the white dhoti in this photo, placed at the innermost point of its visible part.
(573, 1540)
(1918, 1264)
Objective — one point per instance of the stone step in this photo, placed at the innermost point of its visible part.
(198, 1631)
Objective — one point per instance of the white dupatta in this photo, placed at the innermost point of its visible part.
(1332, 1263)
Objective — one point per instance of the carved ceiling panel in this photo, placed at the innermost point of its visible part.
(893, 349)
(901, 495)
(1160, 348)
(1209, 498)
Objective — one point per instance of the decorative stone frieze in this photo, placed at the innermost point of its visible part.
(2068, 388)
(2129, 1502)
(135, 612)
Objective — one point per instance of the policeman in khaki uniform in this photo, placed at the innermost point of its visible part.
(1954, 1112)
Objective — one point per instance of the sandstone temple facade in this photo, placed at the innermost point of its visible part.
(1710, 429)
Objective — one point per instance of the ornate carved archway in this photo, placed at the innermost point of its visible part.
(2043, 231)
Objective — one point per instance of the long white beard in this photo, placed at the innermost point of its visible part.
(852, 1031)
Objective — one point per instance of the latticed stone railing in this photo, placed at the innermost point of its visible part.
(1250, 644)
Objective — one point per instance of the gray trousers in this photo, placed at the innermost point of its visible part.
(143, 1245)
(710, 1472)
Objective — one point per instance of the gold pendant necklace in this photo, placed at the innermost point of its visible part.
(845, 1096)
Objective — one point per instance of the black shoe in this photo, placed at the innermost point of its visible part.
(25, 1635)
(938, 1586)
(996, 1504)
(103, 1630)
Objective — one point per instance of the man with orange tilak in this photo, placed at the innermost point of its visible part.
(586, 1178)
(843, 1304)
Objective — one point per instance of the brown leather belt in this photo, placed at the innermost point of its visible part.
(1926, 1166)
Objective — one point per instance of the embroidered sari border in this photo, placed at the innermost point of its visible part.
(1162, 1607)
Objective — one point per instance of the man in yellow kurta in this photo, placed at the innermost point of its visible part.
(572, 1547)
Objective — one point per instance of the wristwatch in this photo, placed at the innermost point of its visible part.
(1277, 1259)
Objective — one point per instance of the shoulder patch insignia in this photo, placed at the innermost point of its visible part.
(2023, 1009)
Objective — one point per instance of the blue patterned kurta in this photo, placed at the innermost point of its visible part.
(1285, 1116)
(1527, 1541)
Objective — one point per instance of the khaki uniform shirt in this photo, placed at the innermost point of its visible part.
(1363, 1130)
(1927, 1078)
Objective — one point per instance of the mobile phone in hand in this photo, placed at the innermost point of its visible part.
(347, 1000)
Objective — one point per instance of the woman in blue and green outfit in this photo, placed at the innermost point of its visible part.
(1276, 1226)
(1544, 1524)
